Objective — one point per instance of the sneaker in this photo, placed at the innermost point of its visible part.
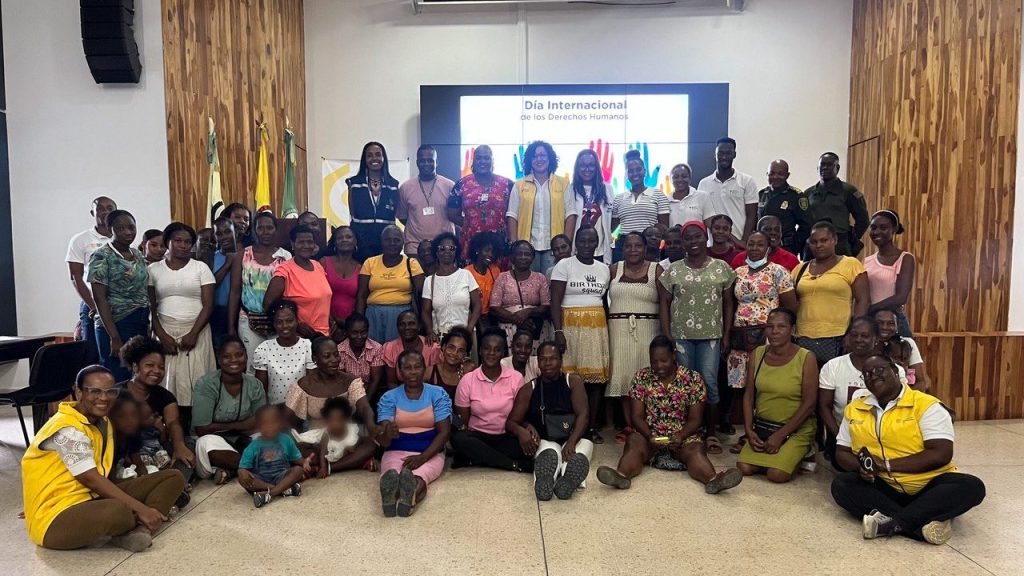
(173, 512)
(576, 470)
(877, 524)
(295, 490)
(938, 532)
(406, 493)
(809, 463)
(723, 481)
(135, 541)
(389, 493)
(183, 501)
(261, 498)
(545, 465)
(612, 477)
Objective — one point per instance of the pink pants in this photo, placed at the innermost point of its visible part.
(431, 469)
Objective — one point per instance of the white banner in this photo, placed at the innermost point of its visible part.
(335, 192)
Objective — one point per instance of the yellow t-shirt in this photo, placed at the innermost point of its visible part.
(826, 301)
(390, 285)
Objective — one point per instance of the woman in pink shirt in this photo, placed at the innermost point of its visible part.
(409, 339)
(303, 281)
(483, 402)
(890, 270)
(342, 270)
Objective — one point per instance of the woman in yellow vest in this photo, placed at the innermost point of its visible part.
(900, 442)
(536, 206)
(69, 500)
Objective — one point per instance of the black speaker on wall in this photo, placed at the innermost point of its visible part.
(108, 36)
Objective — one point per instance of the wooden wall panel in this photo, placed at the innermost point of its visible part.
(238, 61)
(977, 375)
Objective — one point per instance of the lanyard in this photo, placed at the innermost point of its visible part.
(426, 196)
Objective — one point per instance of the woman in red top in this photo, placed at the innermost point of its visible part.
(342, 270)
(303, 281)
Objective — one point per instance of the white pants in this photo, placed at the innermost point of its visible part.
(584, 446)
(205, 445)
(249, 339)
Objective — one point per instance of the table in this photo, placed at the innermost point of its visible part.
(14, 348)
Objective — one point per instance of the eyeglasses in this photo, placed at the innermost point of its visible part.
(455, 349)
(446, 248)
(875, 372)
(101, 392)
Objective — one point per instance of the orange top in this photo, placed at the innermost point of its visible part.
(486, 284)
(311, 293)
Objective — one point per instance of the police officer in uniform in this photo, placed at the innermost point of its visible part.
(834, 200)
(788, 204)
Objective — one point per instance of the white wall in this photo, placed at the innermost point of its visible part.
(72, 140)
(787, 63)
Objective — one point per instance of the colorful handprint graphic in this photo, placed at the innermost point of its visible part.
(519, 161)
(467, 163)
(605, 157)
(650, 178)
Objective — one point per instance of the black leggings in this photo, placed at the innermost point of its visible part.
(947, 496)
(502, 451)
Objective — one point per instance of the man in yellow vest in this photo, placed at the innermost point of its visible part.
(900, 442)
(536, 205)
(69, 500)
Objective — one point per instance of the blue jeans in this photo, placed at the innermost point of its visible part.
(87, 325)
(134, 324)
(702, 356)
(543, 261)
(903, 325)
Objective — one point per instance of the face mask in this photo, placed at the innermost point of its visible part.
(757, 263)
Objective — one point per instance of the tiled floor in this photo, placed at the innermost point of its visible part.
(484, 522)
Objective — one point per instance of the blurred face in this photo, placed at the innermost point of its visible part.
(269, 423)
(483, 161)
(485, 255)
(310, 220)
(560, 249)
(408, 327)
(720, 231)
(127, 419)
(374, 157)
(636, 172)
(860, 340)
(663, 363)
(586, 242)
(285, 323)
(522, 257)
(345, 241)
(266, 231)
(780, 331)
(681, 179)
(822, 243)
(232, 359)
(455, 351)
(181, 245)
(541, 161)
(634, 249)
(828, 167)
(550, 362)
(327, 358)
(882, 230)
(146, 415)
(772, 228)
(225, 237)
(757, 246)
(357, 335)
(154, 249)
(124, 230)
(522, 348)
(724, 156)
(695, 243)
(586, 168)
(674, 249)
(391, 242)
(97, 394)
(886, 321)
(100, 208)
(426, 163)
(240, 218)
(881, 377)
(204, 245)
(492, 350)
(150, 370)
(778, 174)
(446, 252)
(425, 254)
(411, 369)
(304, 245)
(336, 423)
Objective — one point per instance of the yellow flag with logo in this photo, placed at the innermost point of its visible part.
(214, 199)
(262, 193)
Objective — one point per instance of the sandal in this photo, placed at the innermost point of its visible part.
(595, 436)
(738, 447)
(370, 464)
(623, 435)
(222, 476)
(712, 445)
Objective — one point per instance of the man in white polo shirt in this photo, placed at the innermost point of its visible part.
(80, 250)
(731, 192)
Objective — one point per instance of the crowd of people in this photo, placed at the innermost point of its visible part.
(506, 324)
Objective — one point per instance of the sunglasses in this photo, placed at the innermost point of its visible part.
(446, 248)
(875, 372)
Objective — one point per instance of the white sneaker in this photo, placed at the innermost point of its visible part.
(877, 524)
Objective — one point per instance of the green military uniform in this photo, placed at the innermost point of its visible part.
(837, 201)
(793, 209)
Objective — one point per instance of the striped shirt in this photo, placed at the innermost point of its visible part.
(636, 213)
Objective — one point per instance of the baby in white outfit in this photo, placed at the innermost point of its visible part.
(336, 439)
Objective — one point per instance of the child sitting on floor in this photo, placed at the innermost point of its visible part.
(335, 440)
(127, 420)
(153, 436)
(271, 465)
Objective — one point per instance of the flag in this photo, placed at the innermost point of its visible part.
(262, 192)
(214, 200)
(288, 208)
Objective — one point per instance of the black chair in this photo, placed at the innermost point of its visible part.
(52, 378)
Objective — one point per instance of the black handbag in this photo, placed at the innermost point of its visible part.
(747, 338)
(558, 427)
(764, 427)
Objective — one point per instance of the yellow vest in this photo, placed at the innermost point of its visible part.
(900, 436)
(48, 487)
(526, 187)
